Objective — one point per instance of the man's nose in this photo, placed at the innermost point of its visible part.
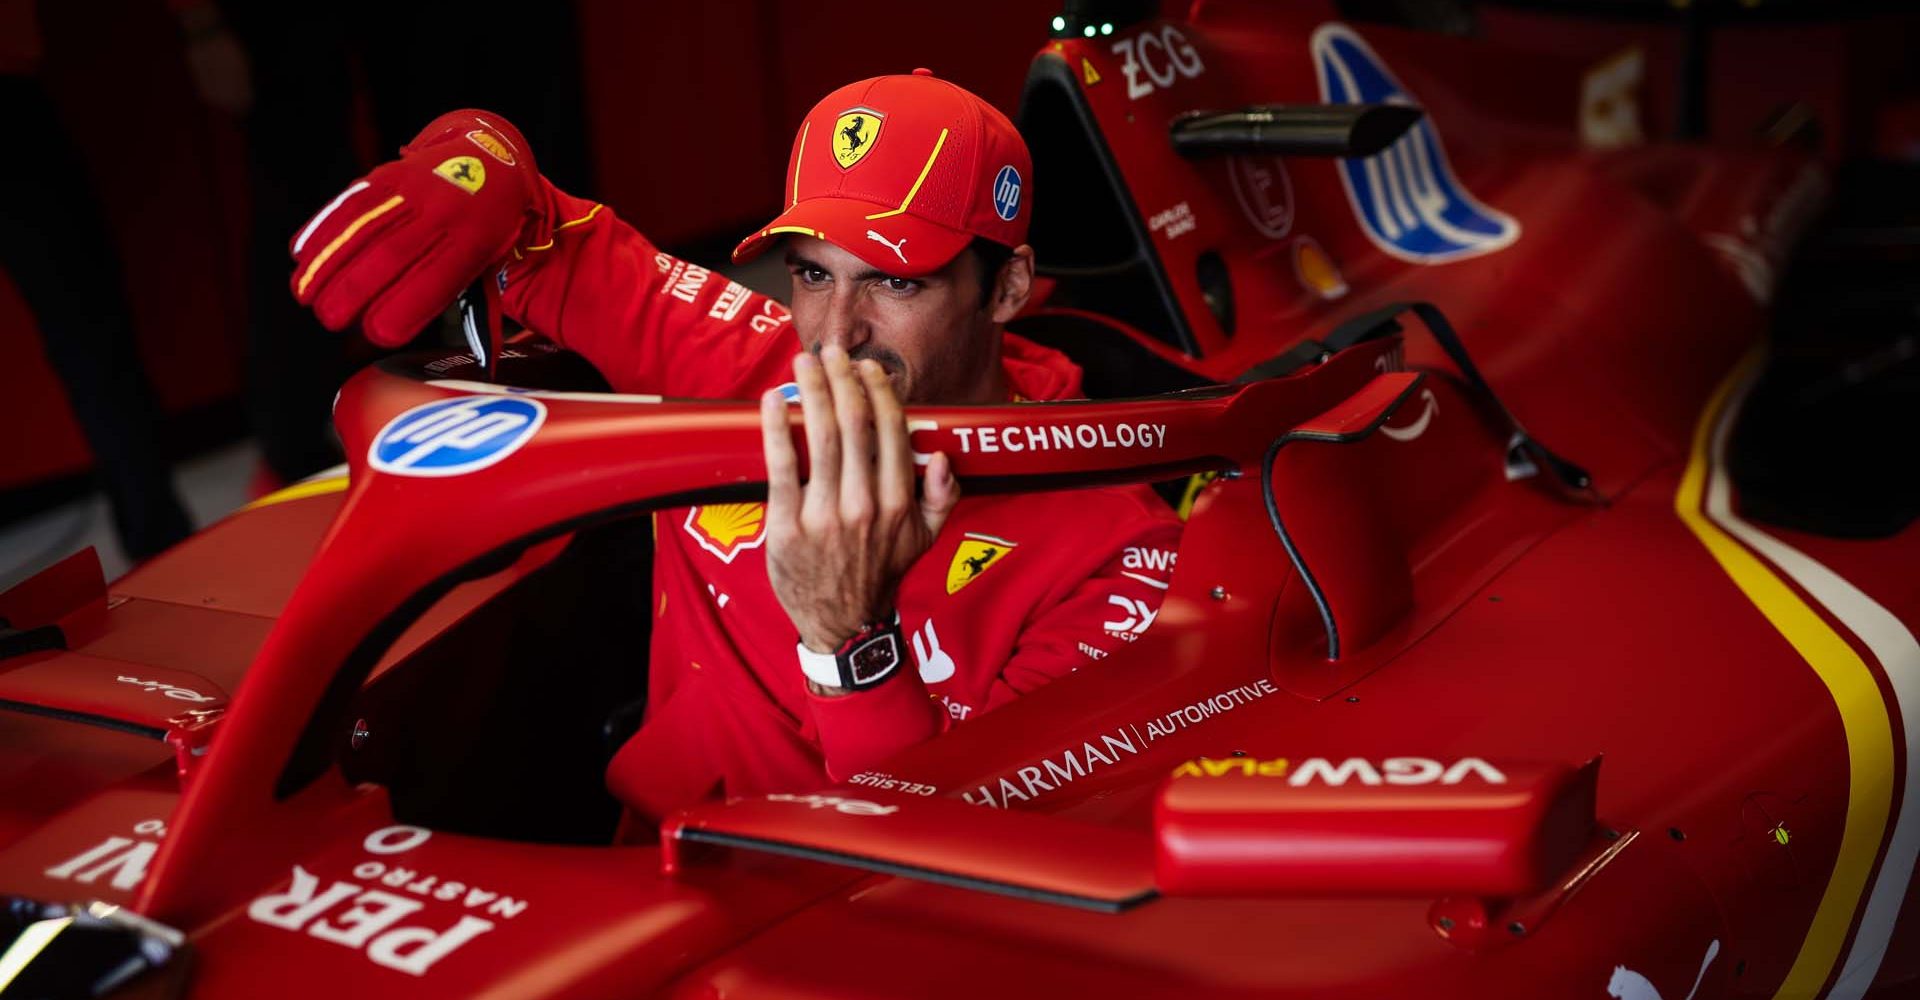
(847, 325)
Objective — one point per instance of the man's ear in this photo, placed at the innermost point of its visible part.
(1013, 286)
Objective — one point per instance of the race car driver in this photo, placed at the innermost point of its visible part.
(779, 650)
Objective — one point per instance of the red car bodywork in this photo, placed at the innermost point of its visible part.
(1745, 829)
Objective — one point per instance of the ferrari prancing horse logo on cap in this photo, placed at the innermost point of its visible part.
(854, 134)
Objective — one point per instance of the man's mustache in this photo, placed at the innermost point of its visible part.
(889, 360)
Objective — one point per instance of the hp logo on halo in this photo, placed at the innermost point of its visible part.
(1006, 193)
(453, 437)
(1406, 198)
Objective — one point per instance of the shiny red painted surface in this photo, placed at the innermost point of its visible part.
(1480, 618)
(1399, 827)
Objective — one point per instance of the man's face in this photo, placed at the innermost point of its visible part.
(931, 334)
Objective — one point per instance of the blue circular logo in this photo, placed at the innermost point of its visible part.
(452, 437)
(1006, 193)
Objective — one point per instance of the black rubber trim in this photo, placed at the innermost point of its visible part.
(1095, 903)
(1273, 504)
(84, 718)
(19, 642)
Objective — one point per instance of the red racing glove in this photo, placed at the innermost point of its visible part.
(395, 248)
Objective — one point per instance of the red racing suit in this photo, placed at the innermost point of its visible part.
(1016, 590)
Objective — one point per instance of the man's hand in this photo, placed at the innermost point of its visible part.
(396, 248)
(837, 549)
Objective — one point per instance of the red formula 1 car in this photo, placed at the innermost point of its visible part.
(1508, 652)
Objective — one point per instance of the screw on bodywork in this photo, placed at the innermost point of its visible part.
(1446, 923)
(360, 734)
(1353, 699)
(1517, 929)
(1610, 833)
(1239, 753)
(1676, 833)
(1495, 598)
(1219, 593)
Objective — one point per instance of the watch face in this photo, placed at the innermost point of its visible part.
(871, 661)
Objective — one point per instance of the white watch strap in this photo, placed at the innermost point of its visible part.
(821, 668)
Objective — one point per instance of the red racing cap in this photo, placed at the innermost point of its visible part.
(903, 172)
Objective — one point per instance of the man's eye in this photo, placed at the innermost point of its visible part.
(811, 275)
(900, 284)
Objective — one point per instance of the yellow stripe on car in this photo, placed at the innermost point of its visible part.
(1848, 679)
(300, 491)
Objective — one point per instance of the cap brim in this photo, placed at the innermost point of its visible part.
(900, 244)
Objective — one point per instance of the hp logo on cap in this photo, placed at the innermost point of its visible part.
(1006, 193)
(452, 437)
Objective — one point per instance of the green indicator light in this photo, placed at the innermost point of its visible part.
(1089, 31)
(1106, 29)
(1059, 24)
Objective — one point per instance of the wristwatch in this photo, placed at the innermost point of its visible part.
(870, 657)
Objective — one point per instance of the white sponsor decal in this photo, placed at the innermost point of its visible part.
(1093, 652)
(1176, 221)
(1393, 771)
(1429, 406)
(685, 281)
(369, 919)
(172, 691)
(1201, 711)
(1059, 437)
(1073, 763)
(1135, 616)
(1627, 984)
(897, 248)
(1141, 557)
(887, 782)
(731, 300)
(395, 839)
(849, 807)
(770, 317)
(123, 860)
(1154, 60)
(1052, 772)
(956, 710)
(935, 664)
(443, 890)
